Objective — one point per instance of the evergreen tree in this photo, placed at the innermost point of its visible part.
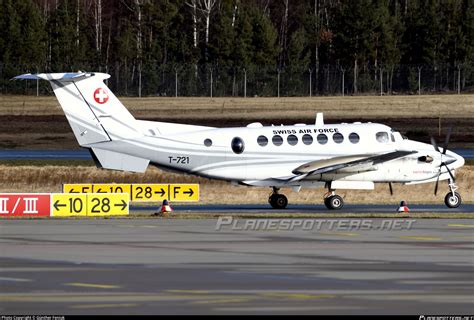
(23, 36)
(178, 40)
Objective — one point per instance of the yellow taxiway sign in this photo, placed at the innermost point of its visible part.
(141, 191)
(89, 204)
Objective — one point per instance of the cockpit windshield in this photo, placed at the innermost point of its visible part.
(397, 134)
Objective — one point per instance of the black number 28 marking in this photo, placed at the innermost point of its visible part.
(104, 205)
(144, 193)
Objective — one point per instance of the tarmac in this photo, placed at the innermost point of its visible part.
(306, 209)
(181, 266)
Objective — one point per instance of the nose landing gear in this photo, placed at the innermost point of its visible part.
(452, 198)
(276, 200)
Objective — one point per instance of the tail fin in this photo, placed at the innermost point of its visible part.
(93, 111)
(96, 116)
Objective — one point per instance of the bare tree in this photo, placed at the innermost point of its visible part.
(138, 4)
(206, 7)
(107, 50)
(78, 11)
(98, 24)
(283, 34)
(234, 11)
(193, 5)
(317, 30)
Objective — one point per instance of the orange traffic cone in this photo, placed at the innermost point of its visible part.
(403, 207)
(166, 207)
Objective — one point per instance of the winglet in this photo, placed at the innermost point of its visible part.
(319, 119)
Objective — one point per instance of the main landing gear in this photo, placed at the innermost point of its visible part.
(452, 198)
(332, 201)
(276, 200)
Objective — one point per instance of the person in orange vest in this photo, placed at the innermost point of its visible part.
(165, 207)
(403, 207)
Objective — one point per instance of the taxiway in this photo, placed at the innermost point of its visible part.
(173, 266)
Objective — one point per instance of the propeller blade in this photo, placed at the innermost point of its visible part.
(433, 142)
(449, 171)
(391, 189)
(436, 185)
(446, 141)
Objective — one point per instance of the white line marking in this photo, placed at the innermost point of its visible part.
(16, 204)
(15, 279)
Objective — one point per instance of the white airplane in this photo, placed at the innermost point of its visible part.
(333, 156)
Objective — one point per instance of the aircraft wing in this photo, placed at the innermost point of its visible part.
(353, 163)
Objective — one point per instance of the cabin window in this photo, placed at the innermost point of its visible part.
(262, 141)
(208, 142)
(337, 137)
(322, 138)
(354, 137)
(307, 139)
(237, 145)
(382, 137)
(277, 140)
(292, 139)
(393, 137)
(151, 131)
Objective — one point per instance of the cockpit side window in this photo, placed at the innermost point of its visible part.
(382, 137)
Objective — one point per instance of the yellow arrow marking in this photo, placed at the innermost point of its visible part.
(188, 291)
(109, 305)
(345, 234)
(461, 225)
(236, 300)
(297, 296)
(92, 285)
(423, 238)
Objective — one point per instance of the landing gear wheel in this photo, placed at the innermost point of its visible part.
(278, 201)
(334, 202)
(452, 201)
(326, 202)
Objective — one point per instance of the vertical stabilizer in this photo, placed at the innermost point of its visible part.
(92, 110)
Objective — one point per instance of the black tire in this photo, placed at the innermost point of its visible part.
(278, 201)
(452, 201)
(334, 202)
(326, 202)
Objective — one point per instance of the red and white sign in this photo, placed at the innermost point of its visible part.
(101, 96)
(25, 205)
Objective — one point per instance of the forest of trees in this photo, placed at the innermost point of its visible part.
(244, 47)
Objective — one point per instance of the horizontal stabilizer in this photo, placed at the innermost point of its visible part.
(118, 161)
(63, 77)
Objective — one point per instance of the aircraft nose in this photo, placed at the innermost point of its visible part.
(453, 158)
(448, 160)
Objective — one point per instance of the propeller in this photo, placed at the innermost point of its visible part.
(446, 162)
(390, 187)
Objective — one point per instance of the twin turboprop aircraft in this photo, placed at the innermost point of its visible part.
(333, 156)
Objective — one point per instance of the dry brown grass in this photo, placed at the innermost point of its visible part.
(30, 122)
(446, 106)
(50, 179)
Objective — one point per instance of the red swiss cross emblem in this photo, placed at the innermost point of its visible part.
(101, 96)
